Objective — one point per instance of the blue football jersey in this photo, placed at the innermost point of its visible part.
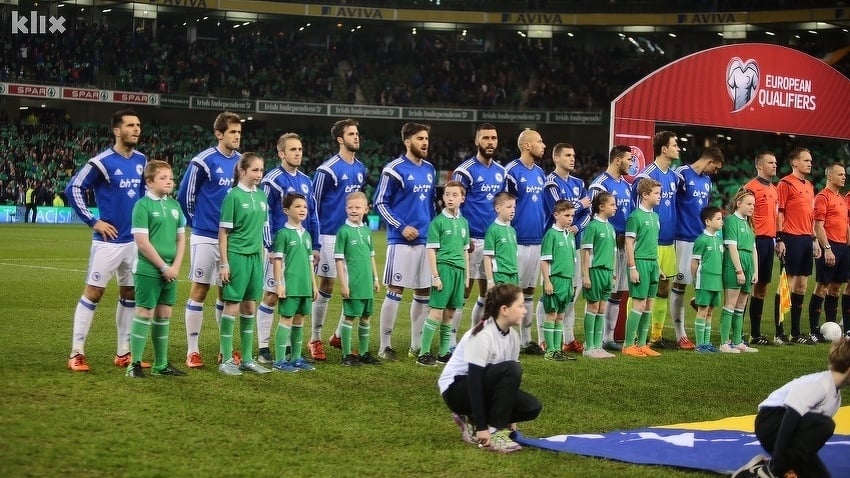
(571, 189)
(279, 182)
(527, 185)
(405, 197)
(482, 183)
(118, 183)
(693, 195)
(333, 181)
(206, 182)
(666, 210)
(621, 189)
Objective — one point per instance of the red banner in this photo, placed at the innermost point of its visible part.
(755, 87)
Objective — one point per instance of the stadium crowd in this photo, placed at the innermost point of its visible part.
(399, 68)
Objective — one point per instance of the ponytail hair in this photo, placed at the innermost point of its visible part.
(599, 200)
(497, 297)
(739, 196)
(244, 162)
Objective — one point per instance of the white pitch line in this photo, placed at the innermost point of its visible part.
(45, 259)
(28, 266)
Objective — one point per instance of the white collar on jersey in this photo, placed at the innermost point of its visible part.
(246, 188)
(153, 196)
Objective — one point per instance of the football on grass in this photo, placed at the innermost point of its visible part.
(831, 331)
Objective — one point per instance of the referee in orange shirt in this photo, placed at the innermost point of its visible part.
(796, 229)
(832, 232)
(764, 222)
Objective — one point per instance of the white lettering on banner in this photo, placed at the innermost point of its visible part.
(788, 83)
(787, 92)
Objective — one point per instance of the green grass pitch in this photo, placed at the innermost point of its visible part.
(366, 421)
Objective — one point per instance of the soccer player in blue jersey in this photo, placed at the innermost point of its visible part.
(560, 184)
(336, 178)
(613, 181)
(666, 148)
(277, 183)
(525, 180)
(115, 177)
(205, 183)
(405, 200)
(483, 178)
(694, 194)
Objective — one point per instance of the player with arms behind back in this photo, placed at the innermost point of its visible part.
(336, 178)
(405, 200)
(206, 182)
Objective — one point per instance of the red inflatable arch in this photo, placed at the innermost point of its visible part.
(753, 86)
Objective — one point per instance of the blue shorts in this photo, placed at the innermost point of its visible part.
(837, 274)
(765, 249)
(798, 255)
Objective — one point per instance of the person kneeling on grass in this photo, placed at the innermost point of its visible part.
(795, 421)
(480, 384)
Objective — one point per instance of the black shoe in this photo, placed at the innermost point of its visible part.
(264, 355)
(427, 360)
(168, 370)
(802, 339)
(135, 370)
(351, 361)
(444, 359)
(759, 340)
(782, 339)
(369, 359)
(819, 338)
(532, 349)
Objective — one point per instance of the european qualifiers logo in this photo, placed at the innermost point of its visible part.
(745, 84)
(742, 82)
(36, 24)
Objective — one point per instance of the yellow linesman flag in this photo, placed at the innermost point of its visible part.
(784, 293)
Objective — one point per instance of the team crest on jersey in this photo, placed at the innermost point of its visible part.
(707, 187)
(305, 189)
(271, 282)
(325, 267)
(499, 177)
(539, 180)
(95, 276)
(199, 272)
(463, 233)
(575, 191)
(360, 178)
(139, 169)
(430, 178)
(175, 214)
(263, 206)
(672, 185)
(397, 277)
